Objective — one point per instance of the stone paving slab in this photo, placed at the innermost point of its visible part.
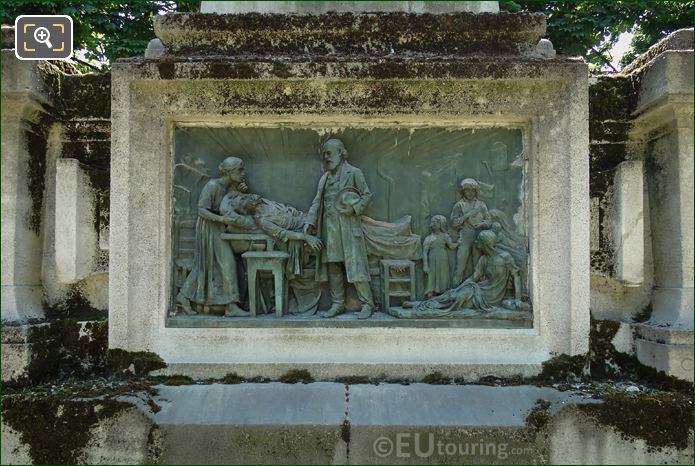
(321, 403)
(454, 405)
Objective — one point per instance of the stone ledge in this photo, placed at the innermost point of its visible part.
(348, 320)
(339, 33)
(673, 359)
(333, 423)
(218, 67)
(318, 7)
(396, 371)
(667, 335)
(681, 39)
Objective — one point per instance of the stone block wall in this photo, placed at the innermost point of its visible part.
(54, 117)
(641, 156)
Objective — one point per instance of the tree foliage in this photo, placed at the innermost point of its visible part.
(591, 28)
(105, 30)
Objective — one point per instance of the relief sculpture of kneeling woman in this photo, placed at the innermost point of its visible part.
(213, 279)
(479, 295)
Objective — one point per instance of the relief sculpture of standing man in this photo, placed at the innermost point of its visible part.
(341, 198)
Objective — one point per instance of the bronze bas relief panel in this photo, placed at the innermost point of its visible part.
(303, 226)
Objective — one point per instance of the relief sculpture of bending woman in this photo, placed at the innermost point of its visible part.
(481, 295)
(213, 279)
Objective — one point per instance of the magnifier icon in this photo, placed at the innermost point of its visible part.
(42, 36)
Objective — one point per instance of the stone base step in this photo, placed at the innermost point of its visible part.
(333, 423)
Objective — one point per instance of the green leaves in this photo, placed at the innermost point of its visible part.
(105, 30)
(591, 28)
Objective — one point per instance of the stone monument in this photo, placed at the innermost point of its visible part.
(351, 145)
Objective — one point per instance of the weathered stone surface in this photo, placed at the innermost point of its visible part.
(129, 437)
(331, 423)
(665, 349)
(628, 230)
(645, 115)
(574, 438)
(320, 7)
(36, 353)
(48, 429)
(155, 49)
(252, 423)
(36, 96)
(383, 405)
(675, 360)
(195, 34)
(75, 236)
(677, 40)
(23, 143)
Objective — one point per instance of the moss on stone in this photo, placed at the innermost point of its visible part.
(564, 368)
(56, 430)
(137, 362)
(74, 306)
(296, 376)
(85, 95)
(232, 378)
(436, 378)
(606, 363)
(362, 34)
(36, 173)
(539, 415)
(175, 379)
(612, 98)
(354, 380)
(661, 419)
(64, 348)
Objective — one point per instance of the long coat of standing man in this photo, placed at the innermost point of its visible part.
(341, 198)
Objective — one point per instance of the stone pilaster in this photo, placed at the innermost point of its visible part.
(664, 125)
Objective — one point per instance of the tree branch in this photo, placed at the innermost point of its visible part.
(604, 59)
(82, 62)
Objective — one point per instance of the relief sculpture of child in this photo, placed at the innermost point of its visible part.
(436, 257)
(469, 216)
